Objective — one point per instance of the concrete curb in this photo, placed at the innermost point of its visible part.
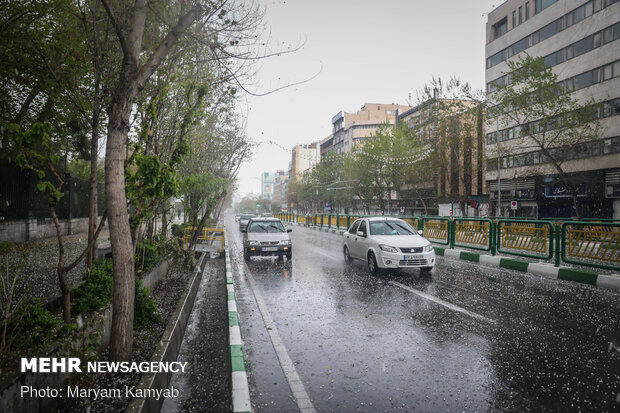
(611, 281)
(240, 388)
(169, 346)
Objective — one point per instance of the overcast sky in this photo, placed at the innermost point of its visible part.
(366, 51)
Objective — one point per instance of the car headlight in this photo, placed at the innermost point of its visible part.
(285, 242)
(428, 248)
(387, 248)
(253, 243)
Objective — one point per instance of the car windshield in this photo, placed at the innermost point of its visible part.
(247, 216)
(267, 226)
(391, 228)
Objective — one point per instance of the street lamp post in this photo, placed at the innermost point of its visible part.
(499, 179)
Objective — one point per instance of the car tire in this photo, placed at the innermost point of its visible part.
(347, 255)
(246, 256)
(426, 270)
(373, 268)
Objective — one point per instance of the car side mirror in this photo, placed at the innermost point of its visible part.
(360, 234)
(420, 232)
(244, 231)
(289, 230)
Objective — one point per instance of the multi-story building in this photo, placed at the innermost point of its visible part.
(454, 130)
(327, 144)
(580, 40)
(279, 192)
(304, 158)
(350, 128)
(267, 181)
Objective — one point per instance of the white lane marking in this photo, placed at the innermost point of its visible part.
(442, 302)
(288, 367)
(297, 387)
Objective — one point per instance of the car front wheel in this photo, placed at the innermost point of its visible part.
(372, 263)
(347, 256)
(246, 255)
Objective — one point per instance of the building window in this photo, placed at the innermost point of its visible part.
(520, 14)
(540, 5)
(500, 28)
(580, 13)
(514, 18)
(527, 10)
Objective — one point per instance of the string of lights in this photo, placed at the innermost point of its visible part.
(400, 160)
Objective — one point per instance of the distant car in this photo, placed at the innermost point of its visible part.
(266, 214)
(243, 221)
(266, 236)
(385, 242)
(237, 216)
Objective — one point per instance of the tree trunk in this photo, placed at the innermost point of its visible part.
(120, 233)
(93, 210)
(576, 203)
(164, 222)
(62, 276)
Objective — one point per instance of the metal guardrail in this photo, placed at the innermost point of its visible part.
(204, 235)
(437, 230)
(532, 239)
(591, 242)
(474, 233)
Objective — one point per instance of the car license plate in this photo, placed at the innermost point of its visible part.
(412, 257)
(270, 248)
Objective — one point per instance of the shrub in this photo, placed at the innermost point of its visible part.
(97, 291)
(145, 308)
(35, 327)
(177, 230)
(147, 255)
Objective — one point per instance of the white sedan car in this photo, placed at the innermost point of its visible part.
(385, 242)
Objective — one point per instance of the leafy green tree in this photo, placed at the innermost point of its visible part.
(547, 120)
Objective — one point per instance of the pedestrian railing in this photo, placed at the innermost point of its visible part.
(205, 234)
(533, 239)
(437, 230)
(591, 244)
(474, 233)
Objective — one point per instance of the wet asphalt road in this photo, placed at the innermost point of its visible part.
(320, 334)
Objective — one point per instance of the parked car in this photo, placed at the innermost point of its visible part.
(243, 221)
(237, 216)
(266, 236)
(385, 242)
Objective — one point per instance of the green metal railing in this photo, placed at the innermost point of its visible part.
(473, 233)
(590, 242)
(531, 239)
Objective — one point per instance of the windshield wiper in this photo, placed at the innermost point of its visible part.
(276, 227)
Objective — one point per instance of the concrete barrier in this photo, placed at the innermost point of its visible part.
(168, 348)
